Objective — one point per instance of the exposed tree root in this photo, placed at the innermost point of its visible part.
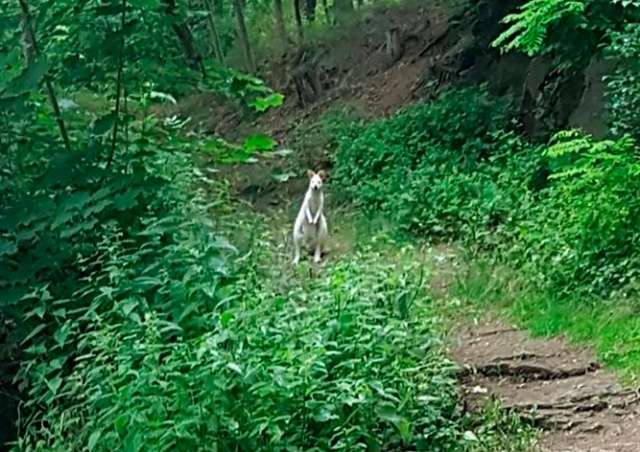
(526, 371)
(522, 357)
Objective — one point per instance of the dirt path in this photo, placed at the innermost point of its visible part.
(579, 406)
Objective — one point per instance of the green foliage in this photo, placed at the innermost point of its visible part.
(104, 233)
(528, 28)
(260, 375)
(582, 234)
(623, 86)
(570, 32)
(567, 213)
(445, 169)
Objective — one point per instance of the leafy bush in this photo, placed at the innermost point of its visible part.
(623, 86)
(583, 233)
(264, 375)
(446, 168)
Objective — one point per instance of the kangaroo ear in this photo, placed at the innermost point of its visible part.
(310, 173)
(323, 174)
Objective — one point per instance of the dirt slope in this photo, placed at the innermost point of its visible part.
(579, 406)
(443, 43)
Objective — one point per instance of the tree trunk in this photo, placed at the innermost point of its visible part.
(244, 36)
(303, 74)
(394, 48)
(31, 52)
(213, 31)
(310, 10)
(182, 31)
(281, 30)
(298, 16)
(343, 8)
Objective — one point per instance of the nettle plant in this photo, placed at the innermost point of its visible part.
(260, 375)
(102, 229)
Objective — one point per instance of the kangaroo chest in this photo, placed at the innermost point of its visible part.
(314, 204)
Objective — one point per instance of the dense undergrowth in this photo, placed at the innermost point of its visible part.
(209, 366)
(560, 218)
(449, 170)
(141, 310)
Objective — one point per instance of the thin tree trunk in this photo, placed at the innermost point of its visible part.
(310, 10)
(344, 5)
(298, 16)
(119, 83)
(281, 30)
(182, 31)
(213, 31)
(244, 36)
(30, 51)
(343, 8)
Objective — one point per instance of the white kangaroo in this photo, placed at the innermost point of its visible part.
(311, 224)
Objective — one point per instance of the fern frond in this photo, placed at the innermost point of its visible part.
(527, 29)
(568, 142)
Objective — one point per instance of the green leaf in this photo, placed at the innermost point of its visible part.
(30, 78)
(235, 368)
(226, 318)
(387, 412)
(129, 306)
(144, 283)
(77, 201)
(324, 415)
(470, 436)
(104, 124)
(61, 334)
(404, 429)
(93, 439)
(7, 247)
(160, 95)
(33, 333)
(54, 384)
(259, 143)
(264, 103)
(38, 311)
(126, 200)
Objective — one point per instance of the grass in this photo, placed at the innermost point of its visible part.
(611, 328)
